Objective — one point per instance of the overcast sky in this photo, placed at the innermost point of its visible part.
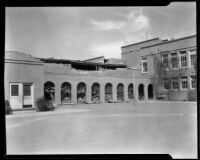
(86, 32)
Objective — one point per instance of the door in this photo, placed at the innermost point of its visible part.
(27, 95)
(16, 95)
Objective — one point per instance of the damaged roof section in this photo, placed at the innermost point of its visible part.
(83, 65)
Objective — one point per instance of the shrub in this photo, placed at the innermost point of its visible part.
(8, 109)
(192, 95)
(44, 105)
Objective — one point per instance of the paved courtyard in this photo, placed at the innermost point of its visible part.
(126, 128)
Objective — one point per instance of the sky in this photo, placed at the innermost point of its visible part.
(80, 33)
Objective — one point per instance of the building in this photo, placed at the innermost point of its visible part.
(101, 80)
(170, 64)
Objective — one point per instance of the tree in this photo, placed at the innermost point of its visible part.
(164, 73)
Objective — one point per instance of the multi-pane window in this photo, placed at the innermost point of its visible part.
(144, 65)
(192, 58)
(174, 60)
(184, 83)
(193, 82)
(175, 83)
(183, 58)
(166, 84)
(165, 60)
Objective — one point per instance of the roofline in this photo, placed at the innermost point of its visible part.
(80, 62)
(170, 41)
(94, 58)
(140, 42)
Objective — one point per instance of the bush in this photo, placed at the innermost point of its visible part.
(44, 105)
(8, 109)
(192, 95)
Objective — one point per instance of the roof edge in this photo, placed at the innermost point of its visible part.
(93, 58)
(140, 42)
(170, 41)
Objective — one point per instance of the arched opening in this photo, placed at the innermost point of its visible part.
(66, 92)
(130, 92)
(96, 93)
(81, 93)
(49, 91)
(141, 92)
(120, 92)
(108, 92)
(150, 91)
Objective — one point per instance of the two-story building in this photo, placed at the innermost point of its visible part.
(170, 64)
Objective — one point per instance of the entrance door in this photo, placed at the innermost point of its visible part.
(27, 95)
(21, 95)
(16, 95)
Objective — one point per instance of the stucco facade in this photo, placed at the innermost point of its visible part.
(26, 77)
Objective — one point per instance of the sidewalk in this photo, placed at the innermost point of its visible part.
(34, 113)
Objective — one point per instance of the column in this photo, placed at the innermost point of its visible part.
(146, 92)
(135, 90)
(57, 93)
(88, 93)
(114, 92)
(102, 93)
(126, 93)
(74, 93)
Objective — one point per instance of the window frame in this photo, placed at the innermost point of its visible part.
(29, 91)
(176, 59)
(191, 82)
(173, 79)
(168, 64)
(184, 79)
(12, 89)
(181, 55)
(144, 60)
(166, 81)
(190, 54)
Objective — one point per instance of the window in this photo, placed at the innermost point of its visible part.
(193, 82)
(184, 83)
(166, 84)
(183, 58)
(193, 58)
(175, 84)
(14, 90)
(174, 60)
(27, 90)
(165, 60)
(144, 65)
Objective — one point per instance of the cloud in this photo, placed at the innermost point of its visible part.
(107, 25)
(133, 22)
(108, 50)
(131, 29)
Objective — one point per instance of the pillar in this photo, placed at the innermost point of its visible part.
(57, 93)
(146, 92)
(135, 90)
(102, 93)
(88, 93)
(114, 93)
(126, 93)
(74, 93)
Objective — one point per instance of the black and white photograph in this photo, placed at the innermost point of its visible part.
(101, 80)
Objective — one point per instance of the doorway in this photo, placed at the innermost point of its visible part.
(21, 95)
